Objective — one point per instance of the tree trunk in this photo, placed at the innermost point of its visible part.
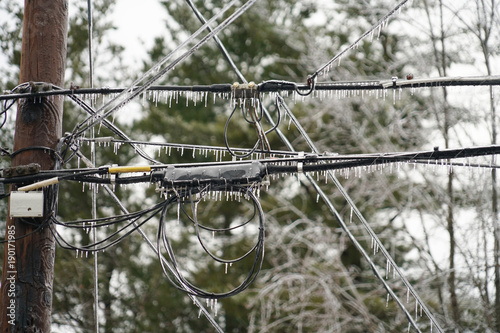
(30, 269)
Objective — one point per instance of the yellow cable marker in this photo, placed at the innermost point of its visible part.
(123, 169)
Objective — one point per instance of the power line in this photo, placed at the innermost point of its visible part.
(265, 86)
(238, 172)
(379, 25)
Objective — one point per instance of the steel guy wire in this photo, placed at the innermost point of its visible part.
(366, 225)
(112, 127)
(130, 93)
(378, 25)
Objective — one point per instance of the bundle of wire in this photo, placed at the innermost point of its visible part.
(170, 265)
(112, 239)
(137, 219)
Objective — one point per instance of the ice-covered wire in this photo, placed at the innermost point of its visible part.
(228, 148)
(178, 279)
(132, 224)
(260, 132)
(375, 239)
(221, 46)
(378, 25)
(198, 226)
(112, 127)
(310, 163)
(126, 96)
(279, 86)
(183, 146)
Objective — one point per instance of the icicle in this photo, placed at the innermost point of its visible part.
(178, 212)
(387, 301)
(226, 269)
(76, 253)
(416, 309)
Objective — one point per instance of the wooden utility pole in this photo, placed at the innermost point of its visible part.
(28, 266)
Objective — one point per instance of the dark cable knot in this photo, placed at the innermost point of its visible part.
(311, 83)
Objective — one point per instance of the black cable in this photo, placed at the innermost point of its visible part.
(53, 152)
(281, 86)
(164, 242)
(112, 239)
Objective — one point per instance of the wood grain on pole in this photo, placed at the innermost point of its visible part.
(38, 123)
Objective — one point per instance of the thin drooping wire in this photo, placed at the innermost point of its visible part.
(194, 219)
(378, 25)
(137, 219)
(255, 118)
(93, 159)
(374, 236)
(123, 98)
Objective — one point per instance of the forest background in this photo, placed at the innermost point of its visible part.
(440, 226)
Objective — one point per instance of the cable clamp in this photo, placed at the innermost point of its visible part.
(244, 91)
(300, 165)
(112, 176)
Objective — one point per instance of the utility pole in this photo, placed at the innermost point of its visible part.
(28, 266)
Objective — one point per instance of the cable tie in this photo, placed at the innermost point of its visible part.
(300, 165)
(244, 91)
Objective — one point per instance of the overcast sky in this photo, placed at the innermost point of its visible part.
(138, 23)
